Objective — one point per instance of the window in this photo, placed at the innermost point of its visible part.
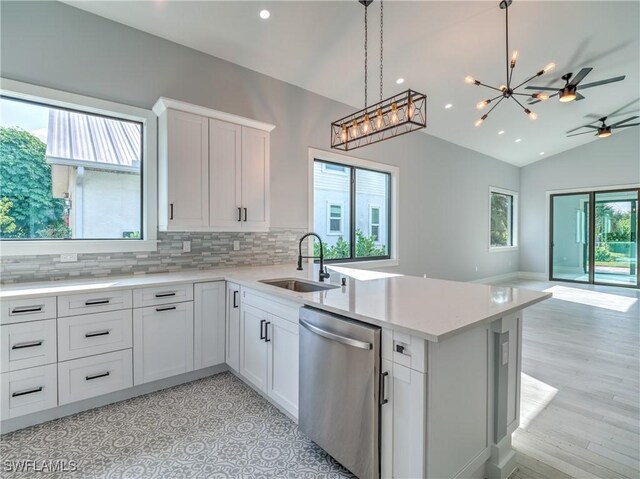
(503, 219)
(354, 230)
(334, 220)
(73, 175)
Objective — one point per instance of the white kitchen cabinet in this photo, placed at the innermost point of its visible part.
(232, 349)
(253, 348)
(162, 341)
(209, 319)
(282, 362)
(213, 169)
(25, 345)
(28, 390)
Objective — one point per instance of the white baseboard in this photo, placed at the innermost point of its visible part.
(511, 276)
(533, 275)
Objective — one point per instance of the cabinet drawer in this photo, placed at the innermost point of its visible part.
(90, 334)
(20, 310)
(173, 293)
(26, 345)
(75, 304)
(93, 376)
(29, 390)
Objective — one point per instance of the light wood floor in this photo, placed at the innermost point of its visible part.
(580, 410)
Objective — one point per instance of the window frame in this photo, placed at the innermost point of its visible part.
(514, 220)
(393, 217)
(371, 224)
(330, 232)
(85, 104)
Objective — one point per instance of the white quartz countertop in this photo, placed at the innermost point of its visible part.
(430, 308)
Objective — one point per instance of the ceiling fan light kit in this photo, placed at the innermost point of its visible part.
(389, 118)
(507, 90)
(604, 130)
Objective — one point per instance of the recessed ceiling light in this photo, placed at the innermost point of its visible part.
(518, 140)
(541, 153)
(448, 105)
(264, 14)
(400, 81)
(501, 132)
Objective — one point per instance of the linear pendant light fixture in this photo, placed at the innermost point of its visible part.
(507, 90)
(391, 117)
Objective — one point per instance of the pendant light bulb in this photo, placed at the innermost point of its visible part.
(379, 121)
(531, 114)
(366, 125)
(470, 79)
(480, 120)
(540, 96)
(410, 109)
(354, 129)
(480, 105)
(394, 113)
(503, 88)
(514, 57)
(343, 135)
(549, 67)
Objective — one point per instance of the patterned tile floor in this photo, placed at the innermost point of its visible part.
(215, 427)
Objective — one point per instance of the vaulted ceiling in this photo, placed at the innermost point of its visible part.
(318, 45)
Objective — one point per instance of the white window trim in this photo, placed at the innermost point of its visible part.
(514, 221)
(394, 171)
(26, 91)
(329, 218)
(371, 208)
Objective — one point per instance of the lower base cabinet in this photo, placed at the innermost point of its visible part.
(162, 341)
(208, 324)
(253, 346)
(232, 343)
(28, 391)
(94, 375)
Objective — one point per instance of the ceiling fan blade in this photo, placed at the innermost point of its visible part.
(541, 88)
(583, 126)
(602, 82)
(624, 121)
(583, 133)
(624, 126)
(579, 96)
(580, 76)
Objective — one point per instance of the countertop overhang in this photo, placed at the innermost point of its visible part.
(433, 309)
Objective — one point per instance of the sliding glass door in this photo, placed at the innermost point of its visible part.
(594, 237)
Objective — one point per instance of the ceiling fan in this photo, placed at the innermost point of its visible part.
(569, 91)
(604, 130)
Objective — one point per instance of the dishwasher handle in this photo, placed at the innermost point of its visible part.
(336, 337)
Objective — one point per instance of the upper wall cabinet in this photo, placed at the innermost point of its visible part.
(213, 170)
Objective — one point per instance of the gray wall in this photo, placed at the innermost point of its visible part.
(606, 162)
(444, 188)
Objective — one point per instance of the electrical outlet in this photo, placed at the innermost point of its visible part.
(236, 246)
(186, 246)
(69, 257)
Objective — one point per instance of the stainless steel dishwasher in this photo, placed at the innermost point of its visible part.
(339, 405)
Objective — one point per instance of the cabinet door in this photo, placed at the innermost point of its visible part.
(253, 348)
(233, 326)
(255, 178)
(188, 157)
(208, 338)
(225, 174)
(162, 341)
(282, 384)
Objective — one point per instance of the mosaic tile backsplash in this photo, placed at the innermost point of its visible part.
(208, 250)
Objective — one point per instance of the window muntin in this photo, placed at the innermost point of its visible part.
(366, 196)
(503, 221)
(68, 174)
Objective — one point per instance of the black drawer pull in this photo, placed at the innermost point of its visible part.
(235, 299)
(383, 399)
(165, 295)
(97, 376)
(27, 309)
(94, 302)
(167, 308)
(30, 344)
(27, 391)
(97, 333)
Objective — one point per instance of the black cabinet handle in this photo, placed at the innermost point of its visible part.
(239, 214)
(245, 214)
(266, 332)
(26, 391)
(165, 295)
(94, 302)
(30, 344)
(235, 299)
(383, 389)
(168, 308)
(262, 334)
(97, 333)
(170, 211)
(97, 376)
(27, 309)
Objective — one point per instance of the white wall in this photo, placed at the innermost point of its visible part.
(444, 189)
(607, 162)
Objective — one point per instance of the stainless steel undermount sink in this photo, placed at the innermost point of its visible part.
(298, 285)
